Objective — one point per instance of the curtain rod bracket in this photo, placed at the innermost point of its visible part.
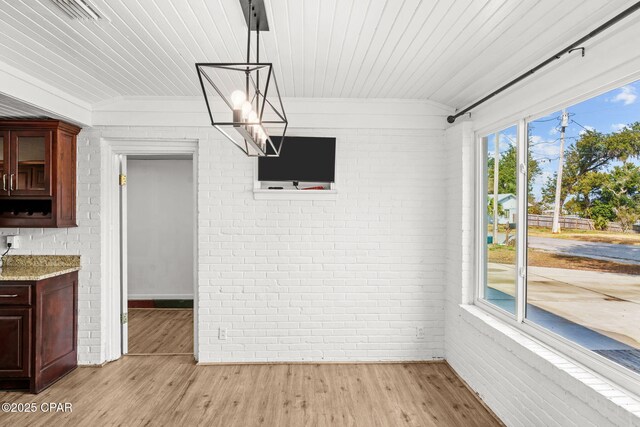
(577, 48)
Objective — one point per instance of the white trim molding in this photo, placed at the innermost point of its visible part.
(25, 88)
(111, 150)
(301, 112)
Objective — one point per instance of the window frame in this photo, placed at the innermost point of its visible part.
(600, 365)
(481, 222)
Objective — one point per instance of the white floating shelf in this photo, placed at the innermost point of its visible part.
(266, 194)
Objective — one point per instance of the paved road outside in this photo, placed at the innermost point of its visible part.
(627, 254)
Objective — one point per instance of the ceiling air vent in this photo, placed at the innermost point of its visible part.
(78, 9)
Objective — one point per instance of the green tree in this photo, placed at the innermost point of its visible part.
(589, 174)
(534, 207)
(601, 213)
(508, 172)
(501, 211)
(626, 217)
(622, 187)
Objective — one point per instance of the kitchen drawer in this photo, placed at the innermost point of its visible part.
(15, 295)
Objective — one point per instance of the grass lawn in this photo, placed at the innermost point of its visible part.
(537, 258)
(588, 236)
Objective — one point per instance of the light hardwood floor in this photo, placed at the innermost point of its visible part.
(160, 331)
(172, 390)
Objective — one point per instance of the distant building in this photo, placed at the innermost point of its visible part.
(509, 209)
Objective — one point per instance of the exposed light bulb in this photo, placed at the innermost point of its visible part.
(263, 140)
(255, 128)
(246, 109)
(237, 98)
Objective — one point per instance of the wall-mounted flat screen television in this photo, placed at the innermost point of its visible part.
(303, 159)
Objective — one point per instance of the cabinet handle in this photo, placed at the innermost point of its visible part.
(11, 182)
(4, 182)
(9, 296)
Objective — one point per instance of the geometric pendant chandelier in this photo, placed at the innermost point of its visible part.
(250, 118)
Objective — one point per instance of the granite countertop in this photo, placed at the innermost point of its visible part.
(37, 267)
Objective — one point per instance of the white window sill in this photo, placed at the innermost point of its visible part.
(265, 194)
(621, 397)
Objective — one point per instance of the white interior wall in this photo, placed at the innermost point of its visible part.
(524, 382)
(160, 228)
(347, 279)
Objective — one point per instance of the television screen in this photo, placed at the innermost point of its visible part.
(301, 159)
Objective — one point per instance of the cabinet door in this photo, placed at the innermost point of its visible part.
(31, 163)
(4, 163)
(15, 342)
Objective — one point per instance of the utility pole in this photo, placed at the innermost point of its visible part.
(496, 174)
(557, 209)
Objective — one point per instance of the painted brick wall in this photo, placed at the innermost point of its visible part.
(83, 240)
(347, 279)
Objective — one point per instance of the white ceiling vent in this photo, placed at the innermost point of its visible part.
(79, 9)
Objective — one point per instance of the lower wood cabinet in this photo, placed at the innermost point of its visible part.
(38, 332)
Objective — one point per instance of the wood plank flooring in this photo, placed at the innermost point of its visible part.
(172, 390)
(160, 331)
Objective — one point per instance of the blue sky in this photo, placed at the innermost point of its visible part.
(605, 113)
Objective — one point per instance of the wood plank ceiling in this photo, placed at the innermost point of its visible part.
(452, 52)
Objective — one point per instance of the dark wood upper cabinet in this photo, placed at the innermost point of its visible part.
(38, 172)
(4, 166)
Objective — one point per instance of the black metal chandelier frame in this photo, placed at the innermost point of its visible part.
(255, 140)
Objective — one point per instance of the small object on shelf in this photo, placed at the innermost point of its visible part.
(317, 187)
(275, 188)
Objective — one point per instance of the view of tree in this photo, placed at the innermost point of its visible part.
(507, 172)
(598, 180)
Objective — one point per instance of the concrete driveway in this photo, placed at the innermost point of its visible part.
(627, 254)
(608, 303)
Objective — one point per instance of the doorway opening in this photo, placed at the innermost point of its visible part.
(160, 242)
(150, 246)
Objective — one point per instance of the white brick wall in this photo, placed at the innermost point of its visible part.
(347, 279)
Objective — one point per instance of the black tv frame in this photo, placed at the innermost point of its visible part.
(270, 177)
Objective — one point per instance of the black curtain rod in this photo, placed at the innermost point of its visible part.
(568, 49)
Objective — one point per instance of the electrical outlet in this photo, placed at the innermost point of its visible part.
(14, 241)
(420, 333)
(222, 334)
